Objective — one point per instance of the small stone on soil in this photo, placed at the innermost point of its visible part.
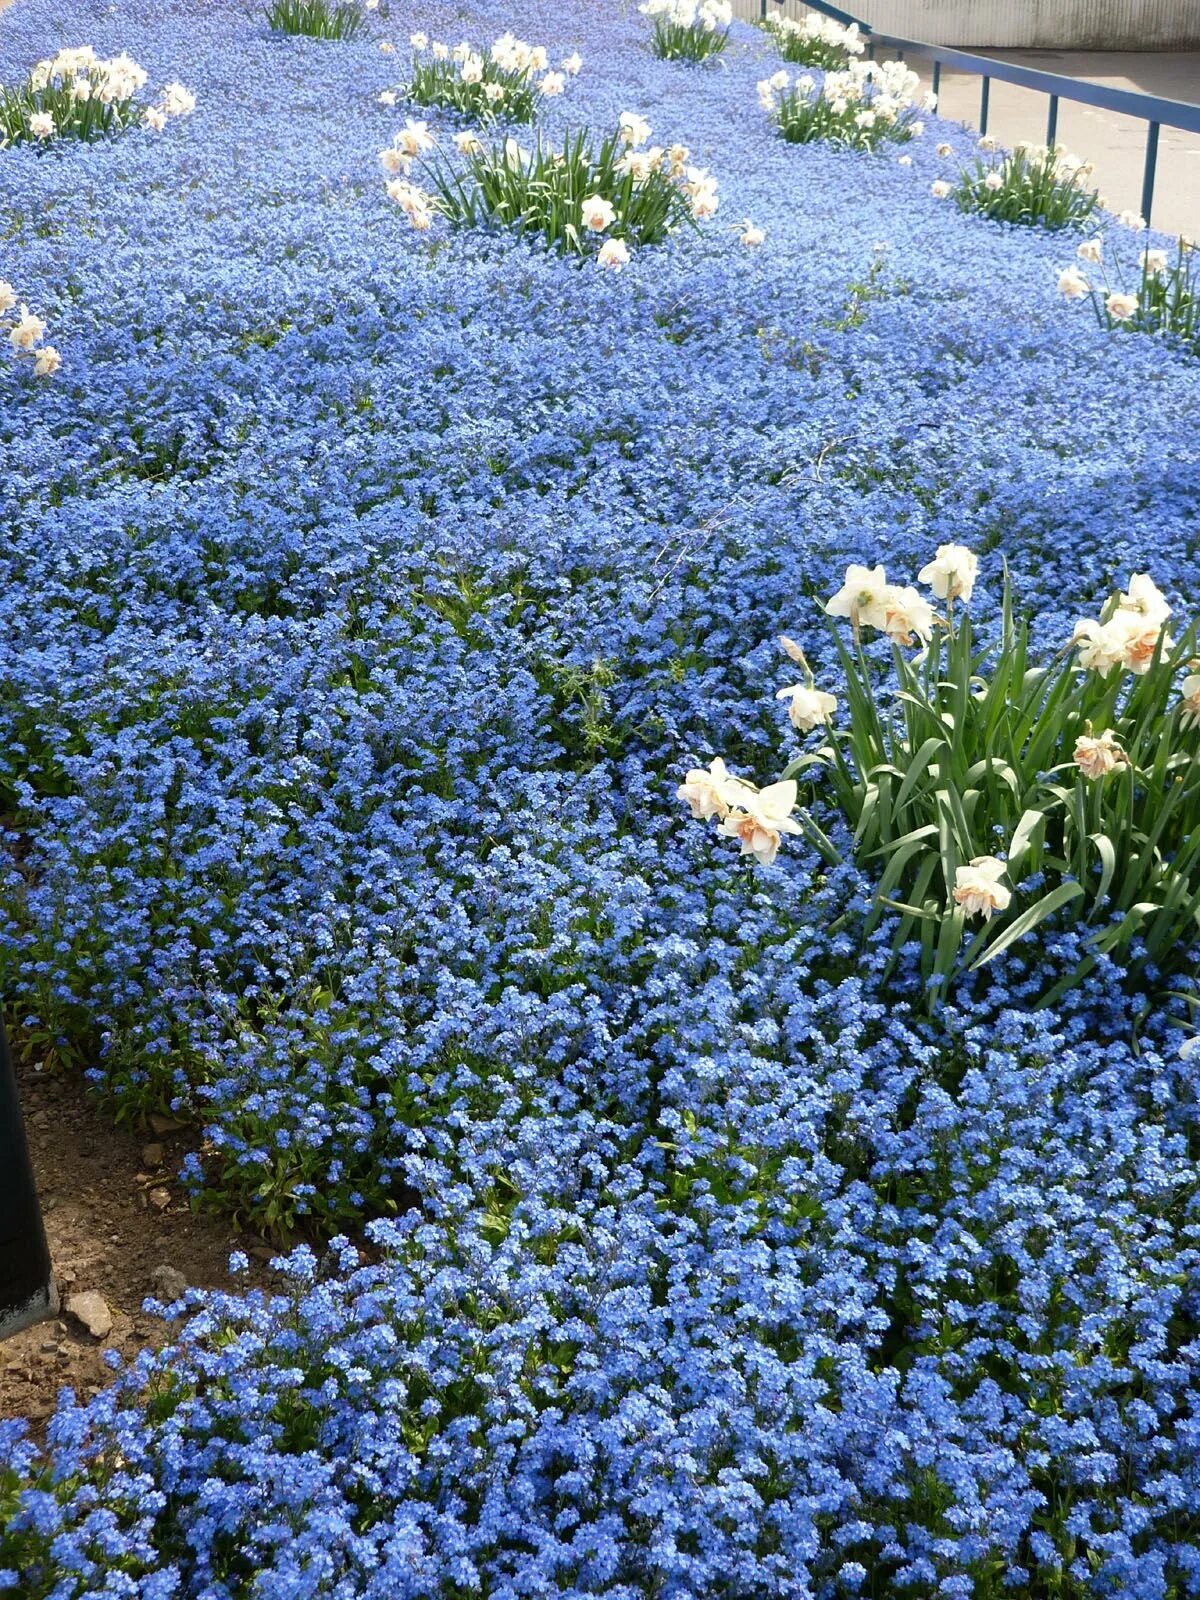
(168, 1283)
(92, 1310)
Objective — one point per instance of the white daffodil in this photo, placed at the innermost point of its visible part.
(613, 254)
(1073, 285)
(178, 101)
(760, 819)
(863, 597)
(952, 572)
(27, 331)
(978, 890)
(1145, 599)
(1097, 756)
(634, 130)
(713, 791)
(1189, 703)
(596, 213)
(808, 707)
(907, 614)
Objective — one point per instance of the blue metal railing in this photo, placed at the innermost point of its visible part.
(1156, 112)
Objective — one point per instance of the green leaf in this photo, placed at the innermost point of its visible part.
(1063, 895)
(1029, 831)
(921, 761)
(1108, 863)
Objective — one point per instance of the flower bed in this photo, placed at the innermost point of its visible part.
(367, 593)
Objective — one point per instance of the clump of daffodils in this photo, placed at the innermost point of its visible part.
(79, 95)
(1033, 185)
(25, 334)
(688, 30)
(508, 81)
(1161, 297)
(756, 818)
(985, 794)
(320, 19)
(596, 201)
(1132, 633)
(861, 106)
(816, 41)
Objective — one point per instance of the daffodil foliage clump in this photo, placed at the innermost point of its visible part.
(508, 82)
(320, 19)
(814, 41)
(25, 332)
(1160, 296)
(588, 199)
(1031, 185)
(862, 106)
(367, 591)
(688, 30)
(77, 94)
(987, 791)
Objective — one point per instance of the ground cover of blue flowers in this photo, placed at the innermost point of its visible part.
(365, 594)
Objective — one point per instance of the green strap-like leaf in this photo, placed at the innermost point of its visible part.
(1108, 862)
(1028, 920)
(917, 769)
(1029, 830)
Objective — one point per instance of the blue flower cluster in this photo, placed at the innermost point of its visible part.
(364, 595)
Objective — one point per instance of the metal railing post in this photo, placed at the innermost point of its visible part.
(937, 77)
(1052, 122)
(983, 104)
(27, 1291)
(1148, 171)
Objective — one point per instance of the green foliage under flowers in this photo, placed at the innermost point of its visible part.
(677, 41)
(508, 92)
(317, 19)
(1086, 780)
(815, 42)
(75, 95)
(868, 104)
(541, 192)
(1165, 298)
(1033, 185)
(86, 120)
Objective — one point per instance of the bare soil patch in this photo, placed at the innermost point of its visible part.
(115, 1217)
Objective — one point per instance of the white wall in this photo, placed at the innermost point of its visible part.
(1044, 24)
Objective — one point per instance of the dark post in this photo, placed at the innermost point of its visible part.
(1149, 169)
(983, 104)
(27, 1292)
(1052, 123)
